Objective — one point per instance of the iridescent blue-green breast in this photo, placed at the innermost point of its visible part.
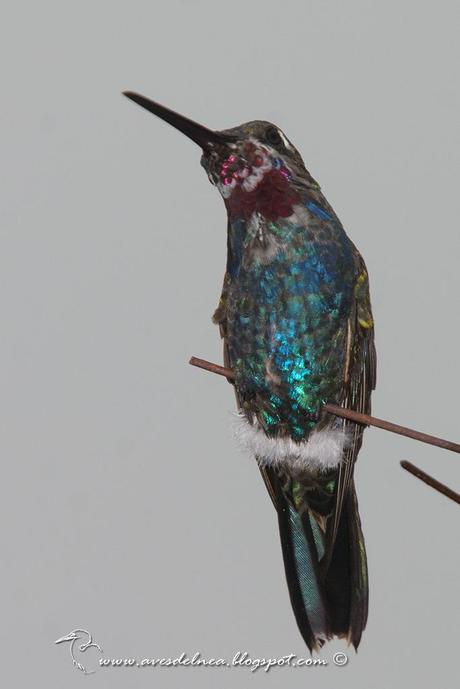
(289, 294)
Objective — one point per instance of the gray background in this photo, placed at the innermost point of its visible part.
(126, 507)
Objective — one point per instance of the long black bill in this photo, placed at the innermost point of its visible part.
(204, 137)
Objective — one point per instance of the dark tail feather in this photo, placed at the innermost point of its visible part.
(331, 603)
(345, 582)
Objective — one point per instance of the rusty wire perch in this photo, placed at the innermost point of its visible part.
(367, 421)
(432, 482)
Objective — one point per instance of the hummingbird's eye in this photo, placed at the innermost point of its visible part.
(273, 136)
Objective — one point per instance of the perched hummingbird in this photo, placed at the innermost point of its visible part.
(295, 316)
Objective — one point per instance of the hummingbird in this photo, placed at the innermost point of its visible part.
(296, 321)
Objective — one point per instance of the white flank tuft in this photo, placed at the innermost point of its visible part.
(323, 450)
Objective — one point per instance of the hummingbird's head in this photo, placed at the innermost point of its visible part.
(254, 166)
(257, 169)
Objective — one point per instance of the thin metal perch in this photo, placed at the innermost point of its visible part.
(367, 420)
(364, 419)
(432, 482)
